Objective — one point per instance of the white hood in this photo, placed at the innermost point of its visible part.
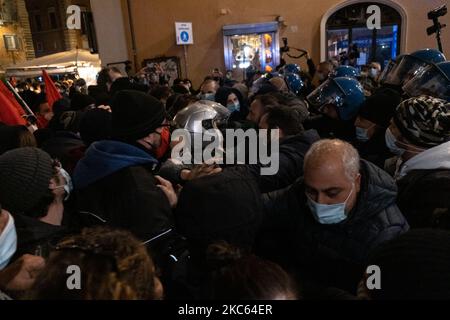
(434, 158)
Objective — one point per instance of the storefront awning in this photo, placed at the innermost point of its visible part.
(58, 63)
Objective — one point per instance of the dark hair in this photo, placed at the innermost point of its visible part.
(160, 92)
(223, 93)
(209, 80)
(22, 85)
(102, 79)
(35, 84)
(40, 210)
(178, 102)
(177, 81)
(238, 276)
(267, 100)
(285, 118)
(115, 266)
(178, 88)
(12, 137)
(114, 69)
(95, 125)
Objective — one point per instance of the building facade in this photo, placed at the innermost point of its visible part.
(147, 27)
(16, 43)
(48, 22)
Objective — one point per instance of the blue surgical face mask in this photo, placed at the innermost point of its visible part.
(208, 96)
(328, 213)
(8, 242)
(362, 135)
(234, 107)
(391, 143)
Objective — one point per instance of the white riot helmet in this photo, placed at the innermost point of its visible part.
(202, 116)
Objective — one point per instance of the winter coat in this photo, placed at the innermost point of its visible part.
(424, 188)
(291, 155)
(36, 237)
(114, 184)
(375, 149)
(334, 254)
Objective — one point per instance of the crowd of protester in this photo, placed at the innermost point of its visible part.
(363, 180)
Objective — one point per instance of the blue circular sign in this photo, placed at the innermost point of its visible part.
(184, 36)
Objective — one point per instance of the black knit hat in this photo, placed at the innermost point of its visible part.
(414, 266)
(135, 115)
(380, 108)
(81, 101)
(25, 175)
(95, 125)
(226, 206)
(424, 121)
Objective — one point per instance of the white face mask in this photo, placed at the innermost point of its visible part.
(8, 242)
(373, 73)
(392, 145)
(68, 186)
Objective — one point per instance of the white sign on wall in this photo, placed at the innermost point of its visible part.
(184, 33)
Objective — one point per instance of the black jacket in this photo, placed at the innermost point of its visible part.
(329, 128)
(125, 83)
(291, 155)
(375, 149)
(335, 254)
(424, 197)
(114, 182)
(36, 237)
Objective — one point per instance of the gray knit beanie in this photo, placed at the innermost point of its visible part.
(25, 175)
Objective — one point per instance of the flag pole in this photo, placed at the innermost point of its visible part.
(22, 102)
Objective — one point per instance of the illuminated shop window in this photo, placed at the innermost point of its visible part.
(254, 46)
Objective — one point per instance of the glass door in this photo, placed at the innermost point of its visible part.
(253, 46)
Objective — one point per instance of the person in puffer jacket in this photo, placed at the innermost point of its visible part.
(328, 221)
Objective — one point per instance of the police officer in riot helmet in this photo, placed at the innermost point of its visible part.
(336, 104)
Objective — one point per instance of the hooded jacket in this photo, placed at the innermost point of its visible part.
(291, 155)
(115, 184)
(424, 188)
(332, 252)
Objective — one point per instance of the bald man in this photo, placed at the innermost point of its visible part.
(334, 216)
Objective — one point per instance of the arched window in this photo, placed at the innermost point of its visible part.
(349, 40)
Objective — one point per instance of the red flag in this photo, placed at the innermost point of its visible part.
(8, 112)
(4, 89)
(50, 90)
